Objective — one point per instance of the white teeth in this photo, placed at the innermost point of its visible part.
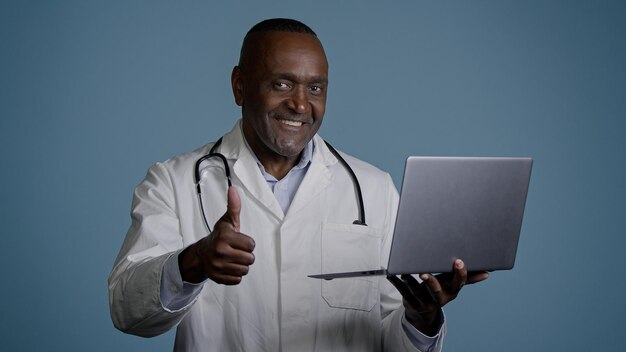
(291, 123)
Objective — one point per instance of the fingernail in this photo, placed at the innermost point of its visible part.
(424, 277)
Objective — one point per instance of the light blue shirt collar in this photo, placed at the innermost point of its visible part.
(285, 189)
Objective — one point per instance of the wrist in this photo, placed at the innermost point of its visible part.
(428, 323)
(190, 265)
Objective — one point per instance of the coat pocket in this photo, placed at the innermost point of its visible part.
(347, 247)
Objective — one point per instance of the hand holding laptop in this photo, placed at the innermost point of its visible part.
(423, 300)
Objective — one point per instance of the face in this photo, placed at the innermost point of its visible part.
(281, 86)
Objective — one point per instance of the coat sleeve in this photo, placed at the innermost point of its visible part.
(394, 338)
(153, 237)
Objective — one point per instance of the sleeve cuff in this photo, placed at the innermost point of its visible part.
(175, 294)
(419, 340)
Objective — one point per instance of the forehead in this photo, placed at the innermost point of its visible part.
(296, 53)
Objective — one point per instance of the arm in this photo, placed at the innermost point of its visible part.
(420, 317)
(423, 300)
(145, 297)
(153, 237)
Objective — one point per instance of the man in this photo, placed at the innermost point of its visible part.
(244, 286)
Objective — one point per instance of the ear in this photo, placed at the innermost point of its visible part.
(236, 81)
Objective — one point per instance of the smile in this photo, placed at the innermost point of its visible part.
(290, 123)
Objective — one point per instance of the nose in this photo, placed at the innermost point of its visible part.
(298, 101)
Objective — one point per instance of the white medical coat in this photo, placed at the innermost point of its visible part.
(276, 307)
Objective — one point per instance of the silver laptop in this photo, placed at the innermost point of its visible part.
(456, 207)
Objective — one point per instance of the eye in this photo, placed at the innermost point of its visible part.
(280, 85)
(316, 89)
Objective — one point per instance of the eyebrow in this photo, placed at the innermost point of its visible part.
(292, 77)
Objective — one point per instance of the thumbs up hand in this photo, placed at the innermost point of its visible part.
(225, 255)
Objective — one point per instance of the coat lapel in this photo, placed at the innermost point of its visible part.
(317, 178)
(247, 171)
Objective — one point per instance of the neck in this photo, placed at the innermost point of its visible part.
(274, 164)
(278, 169)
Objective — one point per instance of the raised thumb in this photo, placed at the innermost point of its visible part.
(233, 207)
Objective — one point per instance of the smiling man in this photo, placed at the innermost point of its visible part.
(281, 85)
(229, 268)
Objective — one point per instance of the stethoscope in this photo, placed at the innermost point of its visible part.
(212, 153)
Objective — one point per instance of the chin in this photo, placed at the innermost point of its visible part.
(289, 151)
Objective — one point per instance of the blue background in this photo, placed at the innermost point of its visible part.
(94, 92)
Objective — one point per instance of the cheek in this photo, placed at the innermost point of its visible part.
(272, 101)
(318, 110)
(260, 101)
